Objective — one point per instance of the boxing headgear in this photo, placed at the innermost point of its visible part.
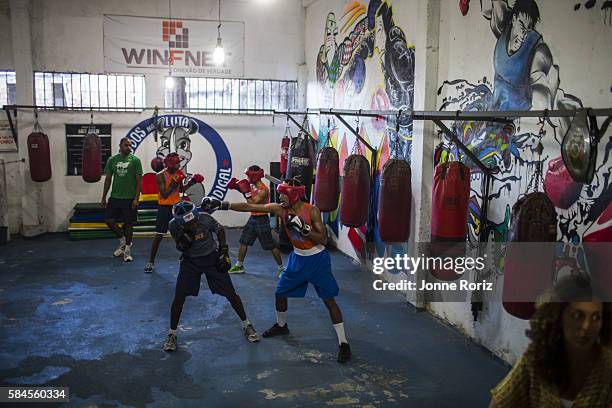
(254, 175)
(184, 212)
(172, 161)
(293, 192)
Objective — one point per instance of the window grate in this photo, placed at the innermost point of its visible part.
(234, 96)
(98, 92)
(8, 88)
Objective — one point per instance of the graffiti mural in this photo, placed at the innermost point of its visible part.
(524, 78)
(365, 62)
(606, 9)
(175, 135)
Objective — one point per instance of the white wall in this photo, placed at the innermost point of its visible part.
(66, 36)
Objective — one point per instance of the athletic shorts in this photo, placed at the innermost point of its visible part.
(120, 209)
(258, 226)
(190, 274)
(302, 270)
(164, 215)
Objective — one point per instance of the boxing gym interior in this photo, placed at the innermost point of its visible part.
(300, 203)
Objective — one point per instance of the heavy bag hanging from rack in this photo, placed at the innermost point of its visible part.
(92, 157)
(355, 189)
(39, 153)
(529, 260)
(327, 179)
(284, 150)
(394, 198)
(449, 214)
(301, 159)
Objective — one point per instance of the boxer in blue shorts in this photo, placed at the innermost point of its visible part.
(308, 263)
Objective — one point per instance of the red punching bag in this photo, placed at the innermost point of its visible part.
(39, 155)
(355, 191)
(394, 199)
(529, 259)
(559, 185)
(449, 214)
(92, 158)
(284, 153)
(327, 180)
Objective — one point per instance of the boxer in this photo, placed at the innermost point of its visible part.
(258, 225)
(170, 185)
(192, 233)
(308, 263)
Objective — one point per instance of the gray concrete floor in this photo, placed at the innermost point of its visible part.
(71, 315)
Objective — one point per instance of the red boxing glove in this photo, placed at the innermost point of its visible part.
(179, 176)
(464, 6)
(233, 184)
(245, 188)
(197, 178)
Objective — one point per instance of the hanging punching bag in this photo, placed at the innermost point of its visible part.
(355, 191)
(284, 154)
(327, 180)
(301, 161)
(92, 158)
(449, 214)
(394, 199)
(529, 259)
(39, 155)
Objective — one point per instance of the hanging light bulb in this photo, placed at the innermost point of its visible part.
(169, 82)
(219, 53)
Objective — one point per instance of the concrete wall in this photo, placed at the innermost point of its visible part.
(458, 49)
(6, 51)
(67, 36)
(467, 58)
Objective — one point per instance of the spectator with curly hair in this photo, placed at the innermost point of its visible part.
(569, 361)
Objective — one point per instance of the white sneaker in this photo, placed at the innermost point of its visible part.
(119, 251)
(127, 253)
(251, 334)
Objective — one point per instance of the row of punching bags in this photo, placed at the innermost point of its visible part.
(297, 158)
(39, 155)
(450, 198)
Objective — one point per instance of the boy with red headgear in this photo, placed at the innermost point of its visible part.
(308, 263)
(258, 225)
(170, 186)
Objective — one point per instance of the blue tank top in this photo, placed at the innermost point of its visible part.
(512, 90)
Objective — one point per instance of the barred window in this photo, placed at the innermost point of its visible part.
(227, 95)
(101, 92)
(8, 88)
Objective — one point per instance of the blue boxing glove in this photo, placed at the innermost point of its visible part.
(297, 224)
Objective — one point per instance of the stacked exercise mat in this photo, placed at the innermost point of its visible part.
(87, 221)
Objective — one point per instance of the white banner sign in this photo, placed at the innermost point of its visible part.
(7, 143)
(153, 45)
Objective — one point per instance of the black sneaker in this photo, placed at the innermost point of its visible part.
(276, 330)
(344, 354)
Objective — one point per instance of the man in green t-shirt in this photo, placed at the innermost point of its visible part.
(125, 171)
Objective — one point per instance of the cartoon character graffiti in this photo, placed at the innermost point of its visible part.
(525, 78)
(177, 138)
(371, 65)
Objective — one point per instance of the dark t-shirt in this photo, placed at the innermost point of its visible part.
(204, 242)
